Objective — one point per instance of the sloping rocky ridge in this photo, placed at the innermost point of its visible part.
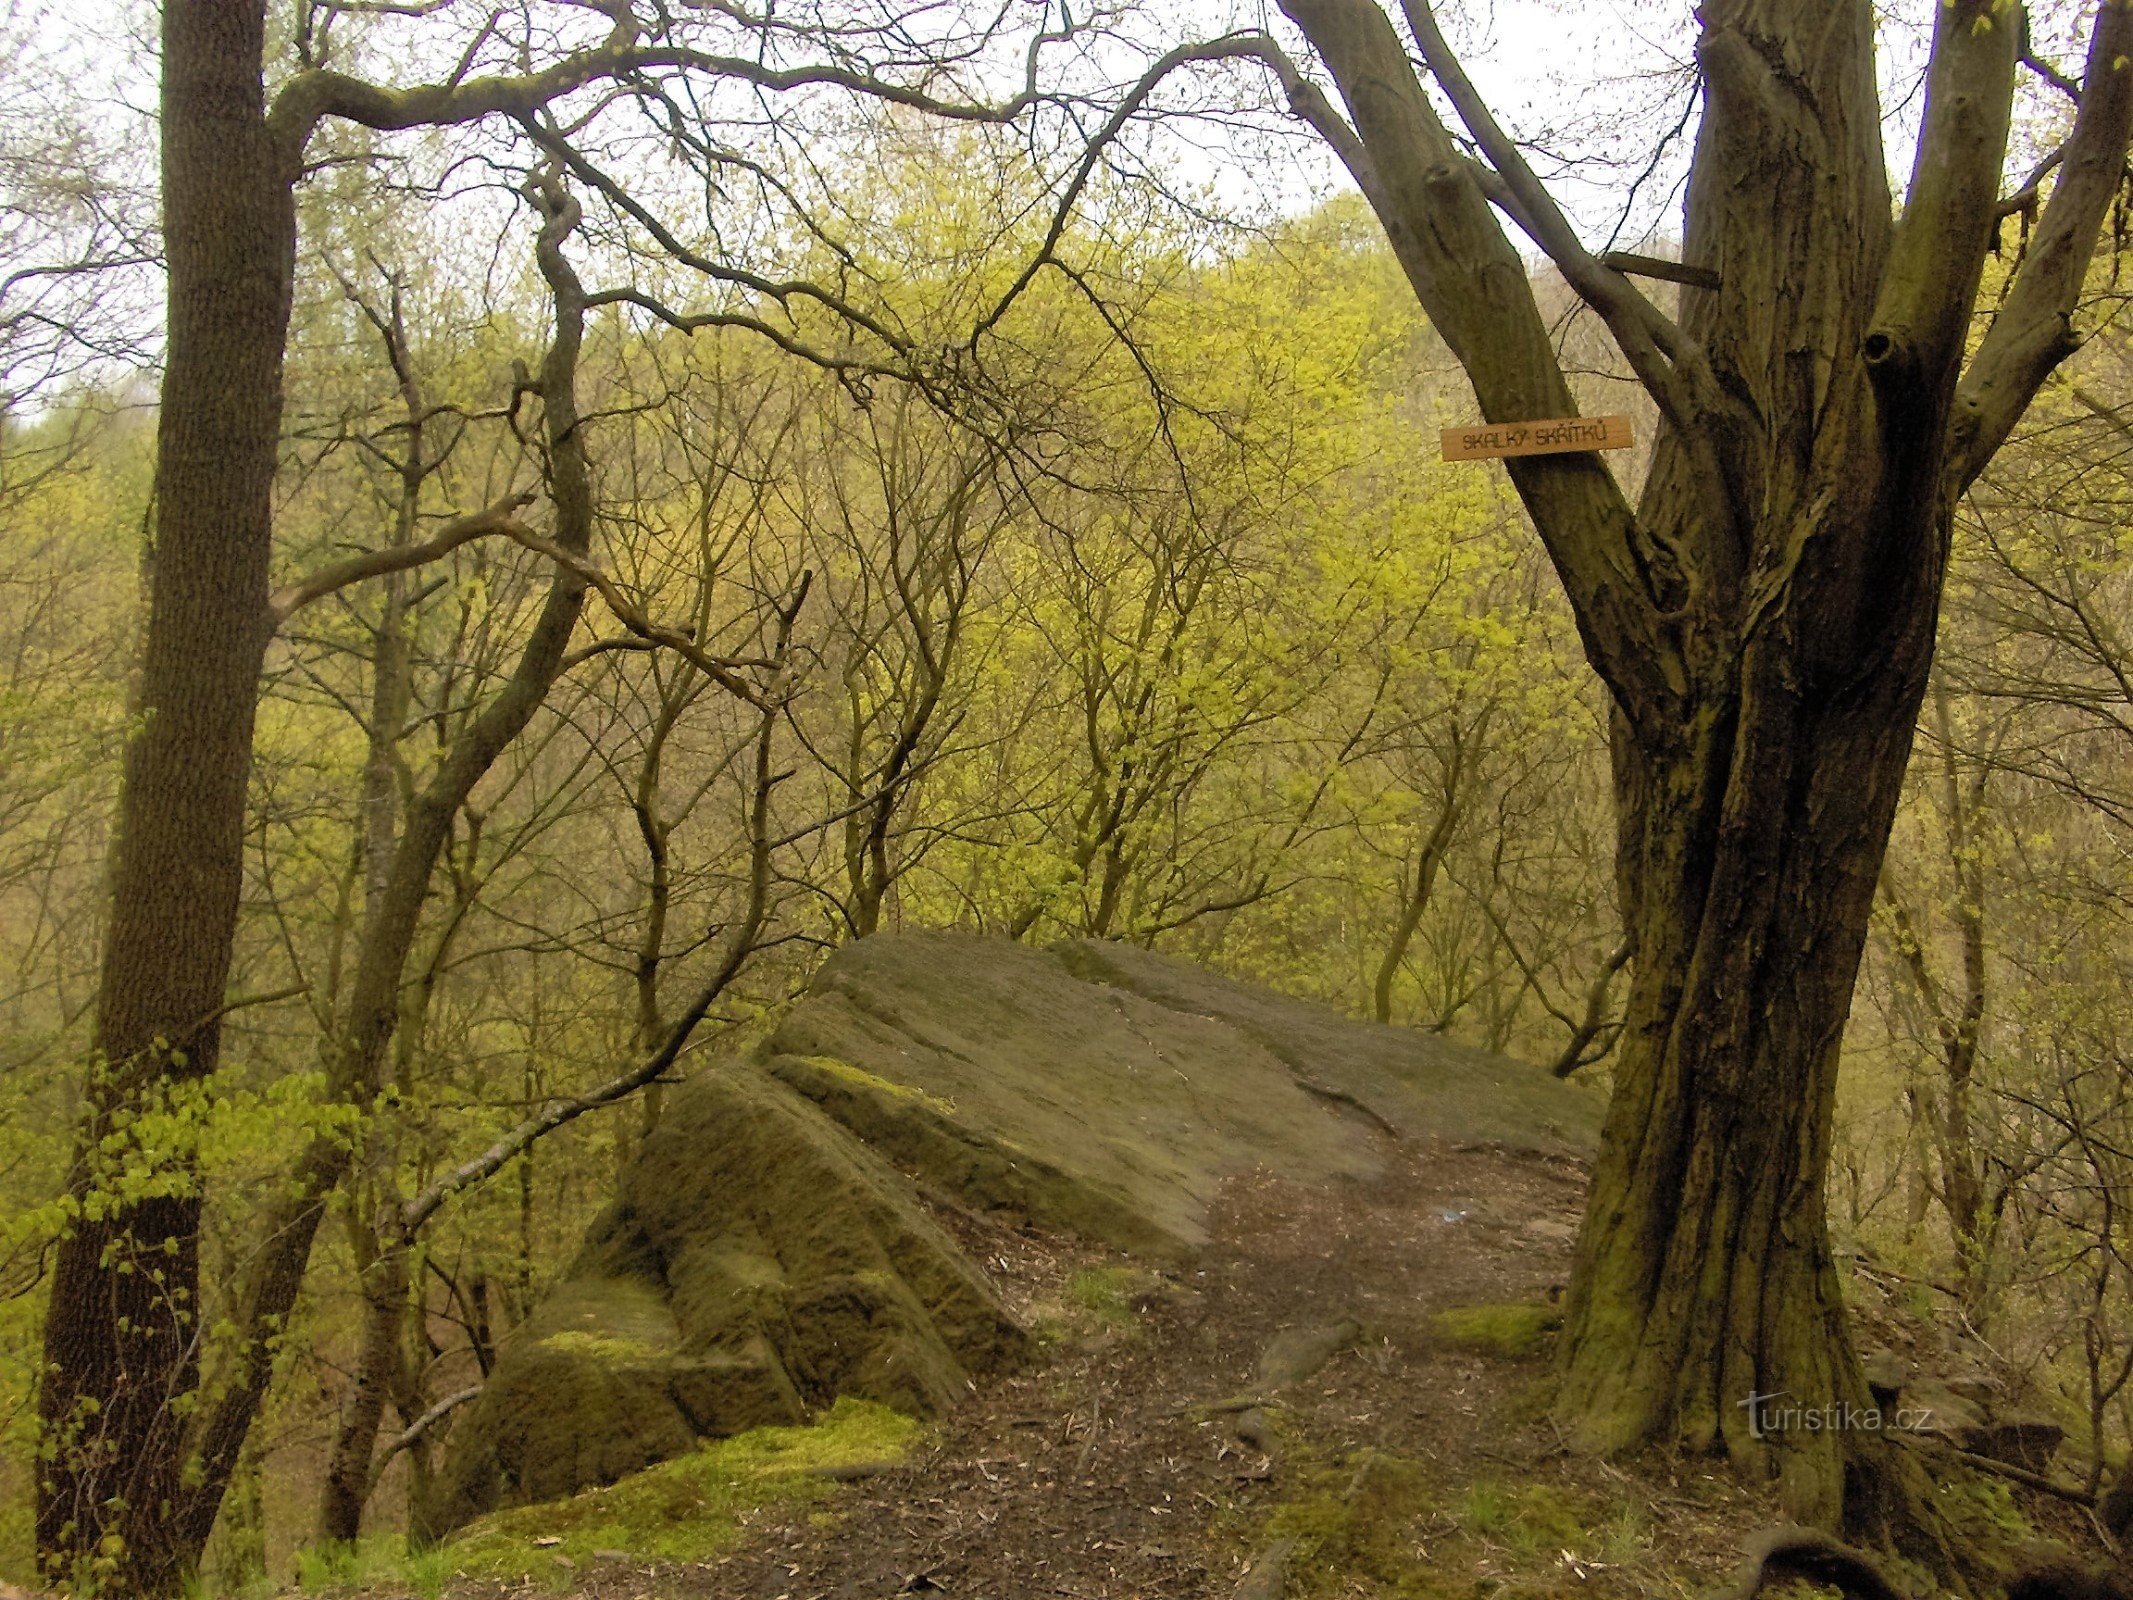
(771, 1247)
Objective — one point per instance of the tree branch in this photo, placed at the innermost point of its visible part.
(1669, 364)
(631, 617)
(1474, 287)
(1229, 47)
(415, 1430)
(2034, 330)
(1594, 1022)
(285, 602)
(1681, 272)
(1914, 343)
(740, 945)
(310, 97)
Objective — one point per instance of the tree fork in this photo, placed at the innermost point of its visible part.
(1763, 618)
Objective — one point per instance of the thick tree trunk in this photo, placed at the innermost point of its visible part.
(1704, 1274)
(1754, 810)
(1763, 618)
(121, 1337)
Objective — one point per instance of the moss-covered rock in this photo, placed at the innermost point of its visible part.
(768, 1250)
(687, 1508)
(1514, 1329)
(758, 1263)
(1108, 1090)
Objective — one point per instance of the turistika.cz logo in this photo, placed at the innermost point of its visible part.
(1766, 1416)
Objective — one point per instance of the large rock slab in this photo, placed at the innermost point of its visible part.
(1109, 1090)
(1422, 1084)
(770, 1248)
(999, 1075)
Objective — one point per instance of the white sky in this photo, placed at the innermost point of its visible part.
(1594, 86)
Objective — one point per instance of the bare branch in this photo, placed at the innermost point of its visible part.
(1667, 362)
(720, 671)
(1577, 1052)
(2034, 330)
(415, 1431)
(1681, 272)
(740, 946)
(311, 97)
(285, 602)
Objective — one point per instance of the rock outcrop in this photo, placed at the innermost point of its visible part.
(757, 1263)
(771, 1247)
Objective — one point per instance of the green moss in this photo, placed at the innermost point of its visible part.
(1371, 1522)
(1094, 1301)
(688, 1508)
(1105, 1293)
(1529, 1519)
(1983, 1510)
(860, 1078)
(1515, 1329)
(600, 1347)
(1353, 1520)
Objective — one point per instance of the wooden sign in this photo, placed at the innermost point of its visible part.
(1482, 440)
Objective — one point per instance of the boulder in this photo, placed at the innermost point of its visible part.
(1416, 1084)
(757, 1263)
(771, 1247)
(1108, 1090)
(1296, 1355)
(2026, 1439)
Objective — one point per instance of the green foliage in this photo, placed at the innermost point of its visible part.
(389, 1564)
(689, 1508)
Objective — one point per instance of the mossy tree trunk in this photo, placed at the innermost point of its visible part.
(1763, 614)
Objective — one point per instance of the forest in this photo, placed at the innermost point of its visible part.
(533, 536)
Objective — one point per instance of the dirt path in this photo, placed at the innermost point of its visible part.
(1414, 1463)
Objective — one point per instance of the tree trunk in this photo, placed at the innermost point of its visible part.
(348, 1478)
(1704, 1274)
(1763, 617)
(355, 1068)
(121, 1337)
(382, 1272)
(1416, 894)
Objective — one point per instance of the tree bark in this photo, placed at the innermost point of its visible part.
(1704, 1274)
(348, 1470)
(122, 1333)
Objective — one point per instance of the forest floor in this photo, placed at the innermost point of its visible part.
(1123, 1462)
